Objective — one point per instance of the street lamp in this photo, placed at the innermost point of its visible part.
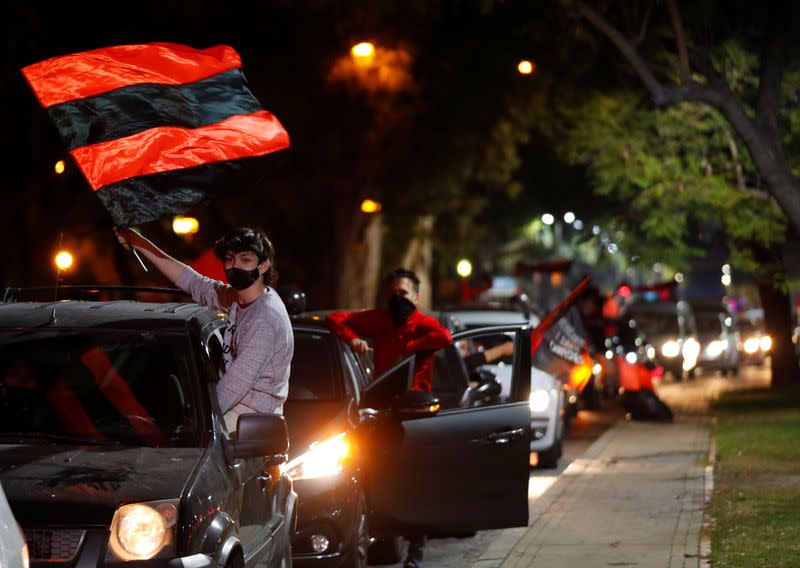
(185, 225)
(363, 51)
(464, 268)
(63, 260)
(569, 217)
(370, 206)
(548, 219)
(60, 167)
(525, 67)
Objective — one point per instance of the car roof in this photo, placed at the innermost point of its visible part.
(117, 314)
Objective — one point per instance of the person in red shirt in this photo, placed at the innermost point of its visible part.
(397, 331)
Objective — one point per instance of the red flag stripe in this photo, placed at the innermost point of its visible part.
(90, 73)
(166, 149)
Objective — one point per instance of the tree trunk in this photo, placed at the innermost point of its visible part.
(419, 258)
(778, 322)
(360, 268)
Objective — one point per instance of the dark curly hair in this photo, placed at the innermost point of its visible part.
(249, 239)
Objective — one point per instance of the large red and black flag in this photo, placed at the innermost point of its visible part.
(155, 127)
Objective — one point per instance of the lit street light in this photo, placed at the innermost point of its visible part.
(569, 217)
(578, 224)
(525, 67)
(464, 268)
(185, 225)
(60, 166)
(548, 219)
(63, 260)
(370, 206)
(363, 51)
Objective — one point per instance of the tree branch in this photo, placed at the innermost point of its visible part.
(628, 50)
(643, 30)
(680, 40)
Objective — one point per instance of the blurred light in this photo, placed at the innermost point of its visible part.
(539, 400)
(716, 347)
(548, 219)
(63, 260)
(464, 268)
(556, 278)
(596, 230)
(664, 295)
(569, 217)
(728, 321)
(323, 459)
(370, 206)
(691, 349)
(679, 277)
(751, 345)
(651, 352)
(624, 291)
(319, 543)
(609, 354)
(185, 225)
(670, 349)
(657, 267)
(364, 50)
(597, 369)
(726, 268)
(578, 224)
(613, 248)
(766, 343)
(525, 67)
(630, 357)
(726, 279)
(60, 167)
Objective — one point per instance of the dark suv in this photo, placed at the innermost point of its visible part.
(113, 451)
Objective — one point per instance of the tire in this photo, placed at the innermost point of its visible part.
(237, 561)
(548, 459)
(358, 550)
(386, 551)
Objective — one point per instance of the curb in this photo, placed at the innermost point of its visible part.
(708, 520)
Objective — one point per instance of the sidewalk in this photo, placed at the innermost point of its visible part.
(635, 498)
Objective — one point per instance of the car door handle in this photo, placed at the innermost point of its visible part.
(501, 438)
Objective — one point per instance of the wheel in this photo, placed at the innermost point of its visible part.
(386, 551)
(236, 561)
(548, 459)
(356, 556)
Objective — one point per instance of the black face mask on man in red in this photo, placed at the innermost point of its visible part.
(401, 308)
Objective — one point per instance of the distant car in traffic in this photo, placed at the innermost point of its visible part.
(754, 342)
(549, 401)
(670, 328)
(372, 461)
(718, 335)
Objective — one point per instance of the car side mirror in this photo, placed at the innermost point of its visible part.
(415, 404)
(261, 435)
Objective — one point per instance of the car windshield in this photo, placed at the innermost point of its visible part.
(315, 372)
(657, 324)
(101, 387)
(708, 324)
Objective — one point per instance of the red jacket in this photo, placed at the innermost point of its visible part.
(419, 333)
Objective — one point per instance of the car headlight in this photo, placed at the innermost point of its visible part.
(691, 349)
(26, 559)
(751, 345)
(766, 343)
(141, 531)
(322, 459)
(716, 347)
(670, 349)
(539, 400)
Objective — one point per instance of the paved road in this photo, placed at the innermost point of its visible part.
(686, 398)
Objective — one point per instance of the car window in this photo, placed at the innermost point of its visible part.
(126, 387)
(316, 368)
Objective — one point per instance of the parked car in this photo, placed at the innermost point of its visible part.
(13, 550)
(718, 335)
(549, 400)
(371, 460)
(113, 450)
(669, 325)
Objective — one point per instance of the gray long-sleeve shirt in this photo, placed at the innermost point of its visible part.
(258, 349)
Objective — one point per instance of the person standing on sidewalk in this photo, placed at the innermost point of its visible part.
(397, 330)
(259, 342)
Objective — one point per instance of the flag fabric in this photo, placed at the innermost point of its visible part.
(155, 127)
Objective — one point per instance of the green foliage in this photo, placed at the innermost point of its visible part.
(674, 170)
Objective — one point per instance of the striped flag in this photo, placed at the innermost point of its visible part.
(155, 127)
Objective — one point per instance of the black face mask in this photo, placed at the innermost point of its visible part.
(401, 308)
(240, 278)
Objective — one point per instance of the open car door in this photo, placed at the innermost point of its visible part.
(463, 469)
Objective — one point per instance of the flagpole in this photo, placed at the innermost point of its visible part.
(139, 258)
